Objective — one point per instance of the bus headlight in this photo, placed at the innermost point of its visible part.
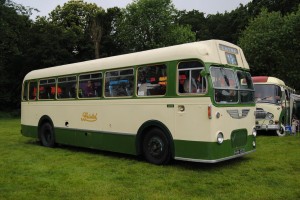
(254, 133)
(269, 116)
(271, 122)
(220, 138)
(254, 144)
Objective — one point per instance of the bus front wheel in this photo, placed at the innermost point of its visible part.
(281, 131)
(47, 135)
(156, 147)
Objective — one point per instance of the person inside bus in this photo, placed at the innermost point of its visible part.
(195, 85)
(90, 89)
(142, 89)
(182, 78)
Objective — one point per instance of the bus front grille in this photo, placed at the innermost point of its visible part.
(239, 138)
(260, 113)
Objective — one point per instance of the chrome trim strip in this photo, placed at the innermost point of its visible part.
(213, 161)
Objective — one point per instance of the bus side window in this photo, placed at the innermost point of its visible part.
(32, 90)
(66, 87)
(45, 89)
(189, 78)
(119, 83)
(152, 80)
(25, 91)
(90, 85)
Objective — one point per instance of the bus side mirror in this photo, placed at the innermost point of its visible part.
(203, 73)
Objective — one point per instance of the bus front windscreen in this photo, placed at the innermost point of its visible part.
(267, 93)
(232, 86)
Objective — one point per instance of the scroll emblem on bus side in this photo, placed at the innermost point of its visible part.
(88, 117)
(238, 114)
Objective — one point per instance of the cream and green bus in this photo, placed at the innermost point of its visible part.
(192, 102)
(272, 100)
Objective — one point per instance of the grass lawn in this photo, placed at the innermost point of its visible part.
(30, 171)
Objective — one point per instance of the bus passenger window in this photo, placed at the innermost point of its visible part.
(190, 80)
(90, 85)
(46, 88)
(119, 83)
(66, 87)
(152, 80)
(25, 91)
(32, 90)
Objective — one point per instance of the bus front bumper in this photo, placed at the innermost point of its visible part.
(267, 127)
(214, 161)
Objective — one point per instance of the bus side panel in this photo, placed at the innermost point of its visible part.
(114, 142)
(65, 136)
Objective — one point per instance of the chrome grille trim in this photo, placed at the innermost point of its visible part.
(238, 114)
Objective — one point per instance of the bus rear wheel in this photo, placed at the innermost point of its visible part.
(156, 147)
(47, 135)
(281, 131)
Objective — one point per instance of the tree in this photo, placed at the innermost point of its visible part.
(111, 45)
(229, 25)
(291, 48)
(83, 24)
(47, 46)
(148, 24)
(14, 31)
(283, 6)
(197, 21)
(96, 31)
(271, 45)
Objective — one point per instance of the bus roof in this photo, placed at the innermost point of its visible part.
(209, 51)
(267, 80)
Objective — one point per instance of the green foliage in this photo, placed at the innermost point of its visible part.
(282, 6)
(30, 171)
(14, 33)
(228, 26)
(111, 46)
(81, 22)
(197, 21)
(271, 45)
(148, 24)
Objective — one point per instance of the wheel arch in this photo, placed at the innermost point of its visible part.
(148, 125)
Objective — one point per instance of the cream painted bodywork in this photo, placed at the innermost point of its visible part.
(271, 108)
(127, 116)
(275, 109)
(207, 51)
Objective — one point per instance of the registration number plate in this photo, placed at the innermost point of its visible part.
(239, 151)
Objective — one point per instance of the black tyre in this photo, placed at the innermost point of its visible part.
(47, 135)
(156, 147)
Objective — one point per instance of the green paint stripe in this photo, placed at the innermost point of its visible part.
(125, 143)
(209, 150)
(29, 131)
